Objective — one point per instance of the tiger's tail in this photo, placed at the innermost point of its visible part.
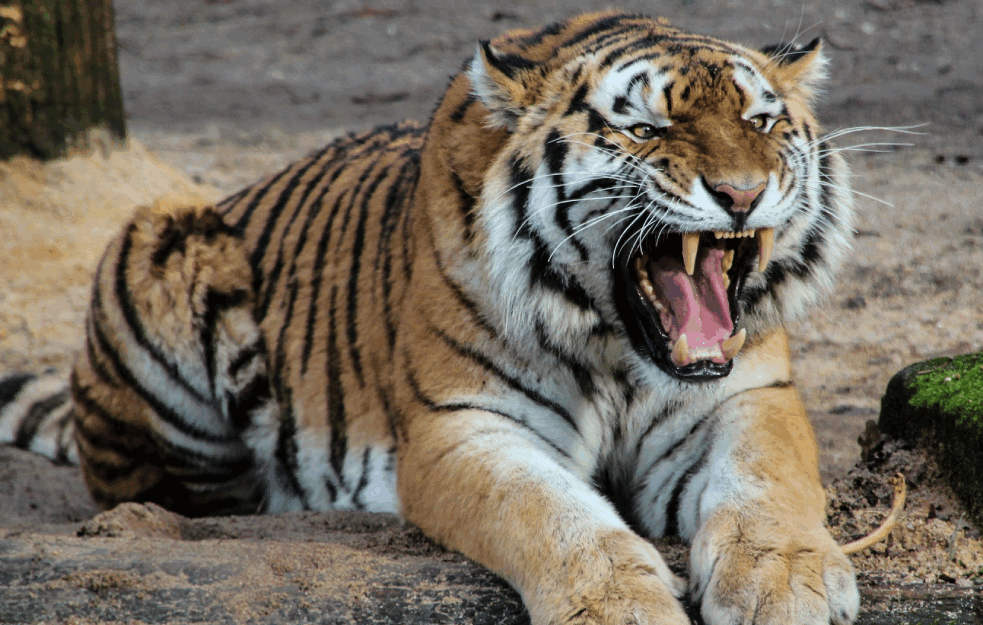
(36, 415)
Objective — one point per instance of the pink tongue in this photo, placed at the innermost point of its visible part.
(698, 303)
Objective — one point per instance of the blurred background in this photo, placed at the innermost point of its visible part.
(258, 66)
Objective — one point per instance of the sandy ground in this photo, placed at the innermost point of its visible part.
(222, 91)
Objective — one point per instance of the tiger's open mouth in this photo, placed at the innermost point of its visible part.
(678, 298)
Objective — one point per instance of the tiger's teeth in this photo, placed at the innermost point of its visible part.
(727, 261)
(680, 352)
(766, 242)
(725, 234)
(691, 245)
(733, 345)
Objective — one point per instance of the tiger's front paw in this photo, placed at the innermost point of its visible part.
(623, 582)
(757, 573)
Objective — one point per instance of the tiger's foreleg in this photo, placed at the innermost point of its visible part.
(490, 488)
(761, 553)
(171, 395)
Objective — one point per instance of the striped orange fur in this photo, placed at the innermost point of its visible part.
(543, 327)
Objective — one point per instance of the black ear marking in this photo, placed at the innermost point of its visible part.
(508, 64)
(786, 53)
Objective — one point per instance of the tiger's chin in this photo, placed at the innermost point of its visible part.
(678, 295)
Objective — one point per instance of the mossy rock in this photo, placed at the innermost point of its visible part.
(939, 404)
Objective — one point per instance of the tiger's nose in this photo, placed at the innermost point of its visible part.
(734, 199)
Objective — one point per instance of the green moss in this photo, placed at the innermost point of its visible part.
(955, 385)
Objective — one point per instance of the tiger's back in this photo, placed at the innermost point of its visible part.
(286, 289)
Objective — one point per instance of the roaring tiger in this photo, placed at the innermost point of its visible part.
(543, 327)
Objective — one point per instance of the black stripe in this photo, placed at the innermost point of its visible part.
(363, 481)
(28, 427)
(595, 121)
(520, 181)
(316, 279)
(120, 430)
(65, 447)
(229, 203)
(337, 420)
(581, 374)
(620, 104)
(672, 510)
(397, 203)
(555, 156)
(541, 271)
(431, 404)
(656, 421)
(163, 411)
(245, 356)
(508, 64)
(132, 317)
(545, 275)
(606, 25)
(12, 385)
(578, 101)
(130, 379)
(286, 451)
(462, 109)
(466, 204)
(671, 408)
(597, 184)
(351, 319)
(243, 222)
(462, 298)
(216, 303)
(536, 37)
(273, 212)
(667, 94)
(272, 280)
(169, 241)
(98, 366)
(630, 47)
(240, 407)
(486, 362)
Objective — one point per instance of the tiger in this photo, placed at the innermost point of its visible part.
(545, 327)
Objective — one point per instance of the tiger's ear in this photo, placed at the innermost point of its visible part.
(500, 81)
(801, 70)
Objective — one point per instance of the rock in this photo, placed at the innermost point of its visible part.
(938, 404)
(131, 520)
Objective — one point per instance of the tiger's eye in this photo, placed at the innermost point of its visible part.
(643, 131)
(759, 122)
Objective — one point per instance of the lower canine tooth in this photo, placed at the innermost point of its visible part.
(766, 242)
(680, 352)
(728, 261)
(733, 345)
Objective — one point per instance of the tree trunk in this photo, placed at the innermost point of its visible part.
(58, 75)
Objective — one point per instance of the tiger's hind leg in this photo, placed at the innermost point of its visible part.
(171, 393)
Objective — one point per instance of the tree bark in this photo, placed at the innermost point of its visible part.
(59, 75)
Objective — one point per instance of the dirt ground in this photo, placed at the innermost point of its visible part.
(219, 92)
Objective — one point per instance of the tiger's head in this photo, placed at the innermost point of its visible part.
(669, 187)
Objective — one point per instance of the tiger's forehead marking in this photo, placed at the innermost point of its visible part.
(642, 88)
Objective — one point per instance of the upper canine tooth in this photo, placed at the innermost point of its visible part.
(733, 345)
(766, 242)
(691, 245)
